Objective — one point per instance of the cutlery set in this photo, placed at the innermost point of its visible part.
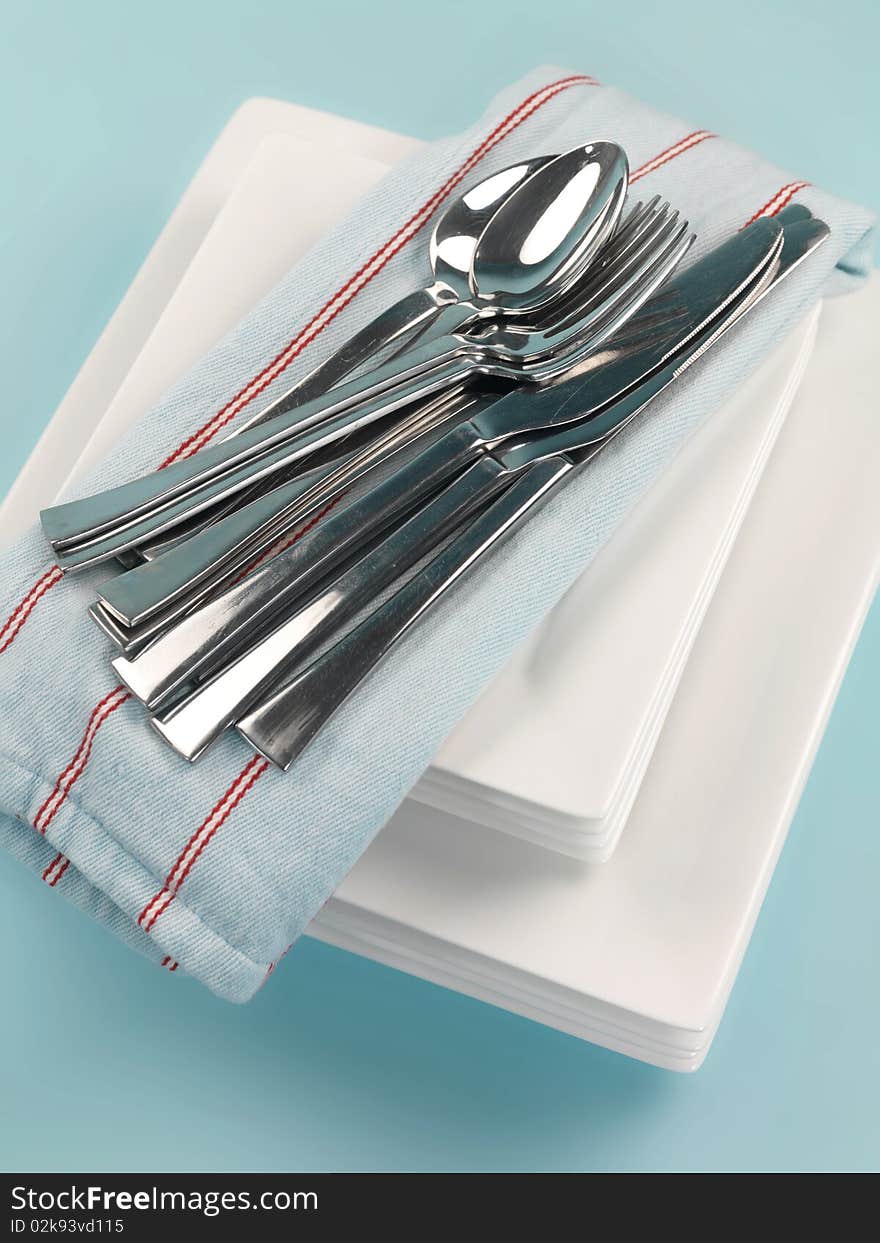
(552, 320)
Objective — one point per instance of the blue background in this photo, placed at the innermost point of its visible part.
(109, 1064)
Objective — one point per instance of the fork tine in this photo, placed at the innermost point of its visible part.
(665, 261)
(635, 217)
(620, 234)
(640, 240)
(638, 227)
(661, 265)
(630, 273)
(591, 303)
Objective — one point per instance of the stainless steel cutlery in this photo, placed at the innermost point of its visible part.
(479, 253)
(84, 532)
(259, 568)
(659, 332)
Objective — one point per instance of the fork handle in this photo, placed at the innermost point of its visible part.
(283, 724)
(226, 546)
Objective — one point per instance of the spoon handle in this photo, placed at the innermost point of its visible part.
(225, 547)
(184, 486)
(416, 319)
(411, 315)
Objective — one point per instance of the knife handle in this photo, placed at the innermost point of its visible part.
(283, 724)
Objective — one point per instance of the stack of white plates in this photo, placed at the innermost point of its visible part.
(634, 705)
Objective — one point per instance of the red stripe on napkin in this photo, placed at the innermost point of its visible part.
(56, 869)
(101, 712)
(274, 963)
(26, 605)
(780, 199)
(246, 779)
(677, 148)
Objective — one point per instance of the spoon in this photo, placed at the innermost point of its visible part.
(554, 231)
(550, 228)
(543, 205)
(450, 251)
(451, 248)
(502, 247)
(147, 600)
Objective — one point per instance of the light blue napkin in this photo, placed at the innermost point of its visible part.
(220, 867)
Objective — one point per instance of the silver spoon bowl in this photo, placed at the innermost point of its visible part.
(509, 245)
(544, 234)
(451, 251)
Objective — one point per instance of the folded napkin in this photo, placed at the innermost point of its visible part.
(220, 867)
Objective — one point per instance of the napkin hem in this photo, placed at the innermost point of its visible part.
(113, 874)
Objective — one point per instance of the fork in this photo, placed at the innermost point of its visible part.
(362, 348)
(137, 606)
(96, 528)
